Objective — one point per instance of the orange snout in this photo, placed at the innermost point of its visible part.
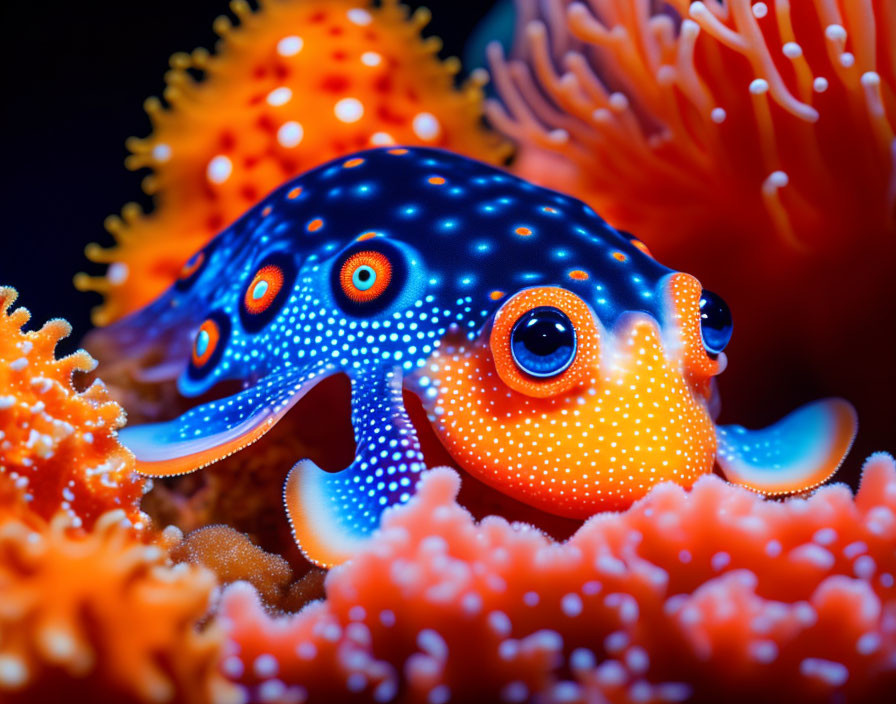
(625, 415)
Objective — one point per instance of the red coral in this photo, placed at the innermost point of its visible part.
(710, 595)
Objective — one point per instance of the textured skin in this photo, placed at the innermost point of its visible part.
(455, 250)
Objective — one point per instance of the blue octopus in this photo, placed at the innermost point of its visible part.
(515, 313)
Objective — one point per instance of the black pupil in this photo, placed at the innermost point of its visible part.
(543, 342)
(364, 274)
(545, 334)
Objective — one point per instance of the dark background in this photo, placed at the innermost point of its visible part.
(75, 78)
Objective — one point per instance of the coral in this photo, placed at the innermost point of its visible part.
(709, 595)
(58, 445)
(101, 616)
(749, 143)
(294, 84)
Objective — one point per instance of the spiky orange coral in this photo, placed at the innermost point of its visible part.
(100, 616)
(295, 84)
(711, 595)
(58, 446)
(751, 143)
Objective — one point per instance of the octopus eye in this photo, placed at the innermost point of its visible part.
(208, 344)
(267, 291)
(191, 269)
(715, 323)
(365, 276)
(543, 342)
(263, 289)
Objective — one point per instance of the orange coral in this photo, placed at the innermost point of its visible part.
(708, 595)
(100, 616)
(58, 446)
(751, 143)
(295, 84)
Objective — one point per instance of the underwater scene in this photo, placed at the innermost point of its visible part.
(468, 351)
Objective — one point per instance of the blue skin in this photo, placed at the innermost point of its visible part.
(450, 243)
(456, 242)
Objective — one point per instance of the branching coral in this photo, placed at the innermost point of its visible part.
(58, 446)
(712, 595)
(100, 616)
(294, 84)
(751, 143)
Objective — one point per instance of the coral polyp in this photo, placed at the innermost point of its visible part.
(707, 596)
(292, 85)
(100, 616)
(59, 449)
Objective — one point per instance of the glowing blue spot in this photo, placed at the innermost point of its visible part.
(202, 340)
(448, 224)
(409, 211)
(260, 289)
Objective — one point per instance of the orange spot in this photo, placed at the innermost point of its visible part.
(578, 275)
(619, 256)
(549, 209)
(436, 180)
(266, 211)
(294, 193)
(643, 247)
(495, 295)
(398, 152)
(315, 225)
(366, 236)
(352, 163)
(524, 231)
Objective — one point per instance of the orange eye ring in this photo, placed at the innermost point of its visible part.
(587, 334)
(191, 266)
(263, 289)
(684, 301)
(365, 276)
(206, 342)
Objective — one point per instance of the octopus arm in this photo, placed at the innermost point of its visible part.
(333, 513)
(799, 452)
(217, 429)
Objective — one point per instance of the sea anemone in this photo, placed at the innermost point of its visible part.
(58, 445)
(751, 143)
(293, 85)
(708, 595)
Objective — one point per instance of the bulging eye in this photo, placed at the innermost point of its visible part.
(189, 272)
(267, 292)
(715, 322)
(263, 289)
(208, 344)
(543, 342)
(365, 276)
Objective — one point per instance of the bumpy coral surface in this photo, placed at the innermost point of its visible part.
(294, 84)
(751, 143)
(100, 616)
(58, 445)
(711, 595)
